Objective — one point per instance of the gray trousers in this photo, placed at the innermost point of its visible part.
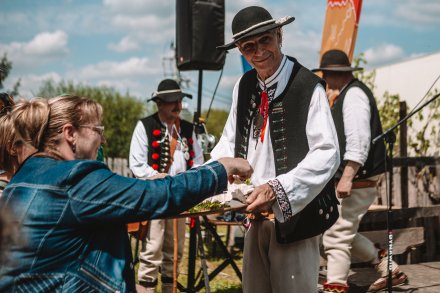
(270, 267)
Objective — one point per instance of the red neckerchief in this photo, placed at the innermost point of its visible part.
(264, 111)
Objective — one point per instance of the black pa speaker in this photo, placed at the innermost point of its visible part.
(199, 30)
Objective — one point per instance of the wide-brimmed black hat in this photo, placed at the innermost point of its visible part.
(335, 60)
(251, 21)
(168, 91)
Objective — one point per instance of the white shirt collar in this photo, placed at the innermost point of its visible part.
(274, 77)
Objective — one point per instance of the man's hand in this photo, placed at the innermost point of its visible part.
(343, 189)
(236, 166)
(261, 199)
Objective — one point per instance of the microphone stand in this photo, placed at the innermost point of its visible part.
(390, 138)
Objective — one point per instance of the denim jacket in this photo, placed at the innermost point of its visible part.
(73, 217)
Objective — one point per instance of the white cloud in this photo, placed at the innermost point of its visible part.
(30, 83)
(412, 14)
(48, 44)
(149, 21)
(43, 48)
(124, 45)
(227, 83)
(418, 13)
(137, 7)
(303, 45)
(383, 54)
(133, 67)
(134, 87)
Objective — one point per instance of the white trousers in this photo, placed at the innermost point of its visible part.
(342, 241)
(270, 267)
(157, 250)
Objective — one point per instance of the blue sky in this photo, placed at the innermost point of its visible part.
(125, 44)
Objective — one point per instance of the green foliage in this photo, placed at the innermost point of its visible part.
(388, 105)
(216, 122)
(366, 77)
(121, 112)
(426, 141)
(5, 69)
(389, 108)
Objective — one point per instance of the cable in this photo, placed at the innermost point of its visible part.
(429, 90)
(213, 95)
(226, 97)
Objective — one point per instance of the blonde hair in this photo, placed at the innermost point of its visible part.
(68, 109)
(30, 119)
(7, 136)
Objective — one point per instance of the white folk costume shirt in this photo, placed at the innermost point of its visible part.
(356, 114)
(138, 159)
(305, 181)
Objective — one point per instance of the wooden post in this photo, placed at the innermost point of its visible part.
(403, 153)
(176, 254)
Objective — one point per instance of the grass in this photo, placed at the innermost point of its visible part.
(226, 281)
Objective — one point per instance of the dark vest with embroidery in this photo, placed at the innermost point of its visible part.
(375, 163)
(288, 119)
(159, 144)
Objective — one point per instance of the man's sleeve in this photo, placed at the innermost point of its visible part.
(198, 152)
(138, 158)
(226, 145)
(298, 187)
(357, 114)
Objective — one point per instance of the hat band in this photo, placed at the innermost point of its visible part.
(166, 92)
(253, 27)
(335, 65)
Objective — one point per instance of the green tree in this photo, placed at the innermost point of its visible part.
(388, 105)
(121, 112)
(216, 122)
(426, 141)
(5, 69)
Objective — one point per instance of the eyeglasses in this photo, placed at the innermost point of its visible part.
(251, 46)
(97, 128)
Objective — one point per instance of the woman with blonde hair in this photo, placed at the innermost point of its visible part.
(6, 160)
(6, 104)
(73, 210)
(16, 146)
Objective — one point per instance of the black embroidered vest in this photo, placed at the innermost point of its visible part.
(288, 118)
(375, 163)
(159, 143)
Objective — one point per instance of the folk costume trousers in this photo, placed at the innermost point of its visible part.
(270, 267)
(157, 249)
(342, 241)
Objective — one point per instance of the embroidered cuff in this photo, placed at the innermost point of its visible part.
(282, 199)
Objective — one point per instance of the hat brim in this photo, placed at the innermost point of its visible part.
(338, 69)
(170, 98)
(256, 31)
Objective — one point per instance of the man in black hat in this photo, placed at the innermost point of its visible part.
(281, 123)
(357, 122)
(163, 144)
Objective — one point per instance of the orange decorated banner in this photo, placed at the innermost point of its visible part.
(341, 25)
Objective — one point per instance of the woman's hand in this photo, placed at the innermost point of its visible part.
(157, 176)
(236, 166)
